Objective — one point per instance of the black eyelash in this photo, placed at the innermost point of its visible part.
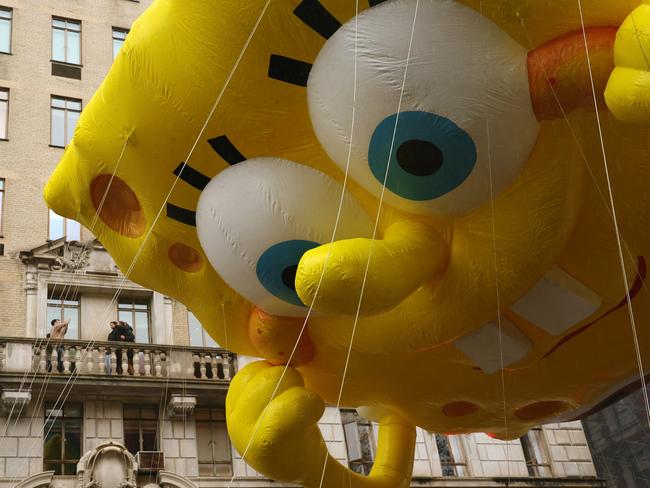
(191, 176)
(316, 16)
(289, 70)
(182, 215)
(226, 149)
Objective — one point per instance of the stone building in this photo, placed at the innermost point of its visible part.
(78, 412)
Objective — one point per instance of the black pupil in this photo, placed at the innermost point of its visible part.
(419, 158)
(289, 276)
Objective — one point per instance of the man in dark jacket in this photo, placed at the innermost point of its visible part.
(122, 332)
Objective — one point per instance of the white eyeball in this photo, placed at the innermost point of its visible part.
(464, 76)
(256, 219)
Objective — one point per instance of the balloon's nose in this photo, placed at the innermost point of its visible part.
(369, 276)
(560, 75)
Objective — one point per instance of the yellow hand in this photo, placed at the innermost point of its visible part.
(409, 255)
(286, 443)
(628, 90)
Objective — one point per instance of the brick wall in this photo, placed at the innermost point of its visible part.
(179, 446)
(26, 160)
(21, 450)
(102, 423)
(569, 451)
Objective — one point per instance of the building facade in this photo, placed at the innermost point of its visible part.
(83, 412)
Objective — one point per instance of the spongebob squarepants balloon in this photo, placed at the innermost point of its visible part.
(237, 156)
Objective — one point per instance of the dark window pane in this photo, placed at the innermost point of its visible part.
(73, 440)
(70, 469)
(52, 445)
(132, 436)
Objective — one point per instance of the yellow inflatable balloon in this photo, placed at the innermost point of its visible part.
(237, 156)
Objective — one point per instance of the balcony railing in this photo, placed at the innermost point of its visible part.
(115, 359)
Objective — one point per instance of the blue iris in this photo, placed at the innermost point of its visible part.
(431, 155)
(276, 268)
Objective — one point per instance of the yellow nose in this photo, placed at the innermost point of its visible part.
(368, 275)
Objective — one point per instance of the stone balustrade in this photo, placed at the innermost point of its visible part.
(110, 359)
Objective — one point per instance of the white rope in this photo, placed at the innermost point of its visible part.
(498, 300)
(376, 225)
(39, 342)
(615, 220)
(198, 138)
(326, 261)
(496, 284)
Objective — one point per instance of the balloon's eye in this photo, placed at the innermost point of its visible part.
(256, 220)
(466, 125)
(429, 156)
(276, 268)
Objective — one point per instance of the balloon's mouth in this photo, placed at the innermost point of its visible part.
(636, 287)
(556, 304)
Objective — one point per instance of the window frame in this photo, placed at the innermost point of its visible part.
(65, 304)
(216, 416)
(65, 227)
(457, 466)
(65, 110)
(3, 183)
(65, 39)
(6, 121)
(11, 27)
(359, 426)
(206, 340)
(115, 30)
(132, 299)
(63, 418)
(536, 454)
(140, 419)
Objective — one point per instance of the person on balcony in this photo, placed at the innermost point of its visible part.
(57, 334)
(122, 332)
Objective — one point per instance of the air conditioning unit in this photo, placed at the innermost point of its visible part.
(150, 461)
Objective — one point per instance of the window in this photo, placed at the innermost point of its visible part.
(66, 40)
(61, 307)
(537, 460)
(136, 313)
(4, 113)
(451, 455)
(119, 35)
(140, 428)
(59, 227)
(2, 202)
(65, 115)
(212, 442)
(198, 336)
(62, 438)
(360, 441)
(5, 29)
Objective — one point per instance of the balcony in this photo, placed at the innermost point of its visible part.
(104, 364)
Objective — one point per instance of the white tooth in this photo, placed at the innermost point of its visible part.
(485, 349)
(557, 302)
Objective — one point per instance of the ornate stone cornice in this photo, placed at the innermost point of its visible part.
(181, 406)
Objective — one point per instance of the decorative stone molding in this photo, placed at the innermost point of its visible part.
(59, 255)
(181, 406)
(109, 465)
(167, 479)
(14, 401)
(38, 480)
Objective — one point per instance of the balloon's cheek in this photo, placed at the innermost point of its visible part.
(280, 340)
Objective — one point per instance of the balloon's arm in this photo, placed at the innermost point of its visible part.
(393, 464)
(628, 90)
(281, 439)
(388, 269)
